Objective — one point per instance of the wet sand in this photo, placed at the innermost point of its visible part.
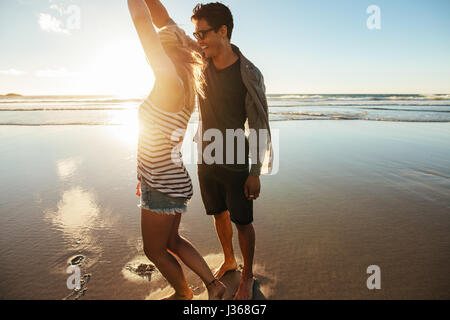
(348, 194)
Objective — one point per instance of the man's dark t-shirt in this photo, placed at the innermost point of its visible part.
(224, 108)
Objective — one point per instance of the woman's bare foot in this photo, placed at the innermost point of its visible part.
(216, 290)
(187, 296)
(245, 290)
(224, 268)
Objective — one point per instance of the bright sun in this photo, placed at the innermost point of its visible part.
(121, 69)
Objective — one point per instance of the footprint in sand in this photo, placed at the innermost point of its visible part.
(139, 269)
(78, 293)
(143, 270)
(77, 260)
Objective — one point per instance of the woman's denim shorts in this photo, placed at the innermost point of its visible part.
(156, 201)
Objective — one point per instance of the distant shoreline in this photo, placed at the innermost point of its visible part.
(268, 94)
(11, 95)
(55, 96)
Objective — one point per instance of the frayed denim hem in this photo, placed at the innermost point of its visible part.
(170, 211)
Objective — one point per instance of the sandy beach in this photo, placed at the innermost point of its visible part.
(348, 194)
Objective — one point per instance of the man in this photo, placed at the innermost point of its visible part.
(234, 93)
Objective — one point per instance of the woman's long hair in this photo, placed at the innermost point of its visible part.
(187, 59)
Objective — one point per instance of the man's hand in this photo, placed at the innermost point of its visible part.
(252, 187)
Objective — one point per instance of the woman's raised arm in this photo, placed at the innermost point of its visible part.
(161, 64)
(159, 13)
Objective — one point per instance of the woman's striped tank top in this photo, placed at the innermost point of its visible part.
(159, 158)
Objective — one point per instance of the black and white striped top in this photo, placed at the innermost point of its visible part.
(159, 158)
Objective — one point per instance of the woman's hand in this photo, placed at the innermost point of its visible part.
(159, 13)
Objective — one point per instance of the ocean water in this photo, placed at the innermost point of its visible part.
(107, 110)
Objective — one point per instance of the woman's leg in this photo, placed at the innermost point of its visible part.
(156, 229)
(183, 249)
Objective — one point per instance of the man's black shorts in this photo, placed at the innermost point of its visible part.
(223, 189)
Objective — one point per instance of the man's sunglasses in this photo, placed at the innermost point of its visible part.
(201, 34)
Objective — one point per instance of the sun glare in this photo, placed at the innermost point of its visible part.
(121, 68)
(128, 129)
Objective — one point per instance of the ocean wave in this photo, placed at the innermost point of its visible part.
(313, 99)
(296, 96)
(407, 110)
(327, 115)
(405, 98)
(377, 119)
(297, 113)
(421, 97)
(301, 97)
(102, 107)
(439, 97)
(285, 117)
(117, 111)
(342, 104)
(356, 97)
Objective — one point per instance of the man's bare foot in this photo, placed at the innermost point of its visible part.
(216, 290)
(224, 268)
(188, 296)
(245, 290)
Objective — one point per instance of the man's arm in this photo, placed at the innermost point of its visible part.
(252, 187)
(159, 13)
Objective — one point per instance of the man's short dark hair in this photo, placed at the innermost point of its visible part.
(216, 14)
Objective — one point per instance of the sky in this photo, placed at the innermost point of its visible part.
(319, 46)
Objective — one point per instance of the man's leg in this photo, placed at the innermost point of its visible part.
(225, 233)
(241, 214)
(246, 235)
(213, 197)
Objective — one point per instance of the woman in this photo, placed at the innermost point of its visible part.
(165, 186)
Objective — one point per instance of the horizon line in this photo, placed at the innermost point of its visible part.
(270, 93)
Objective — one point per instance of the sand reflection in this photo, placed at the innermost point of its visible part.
(76, 213)
(67, 167)
(128, 130)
